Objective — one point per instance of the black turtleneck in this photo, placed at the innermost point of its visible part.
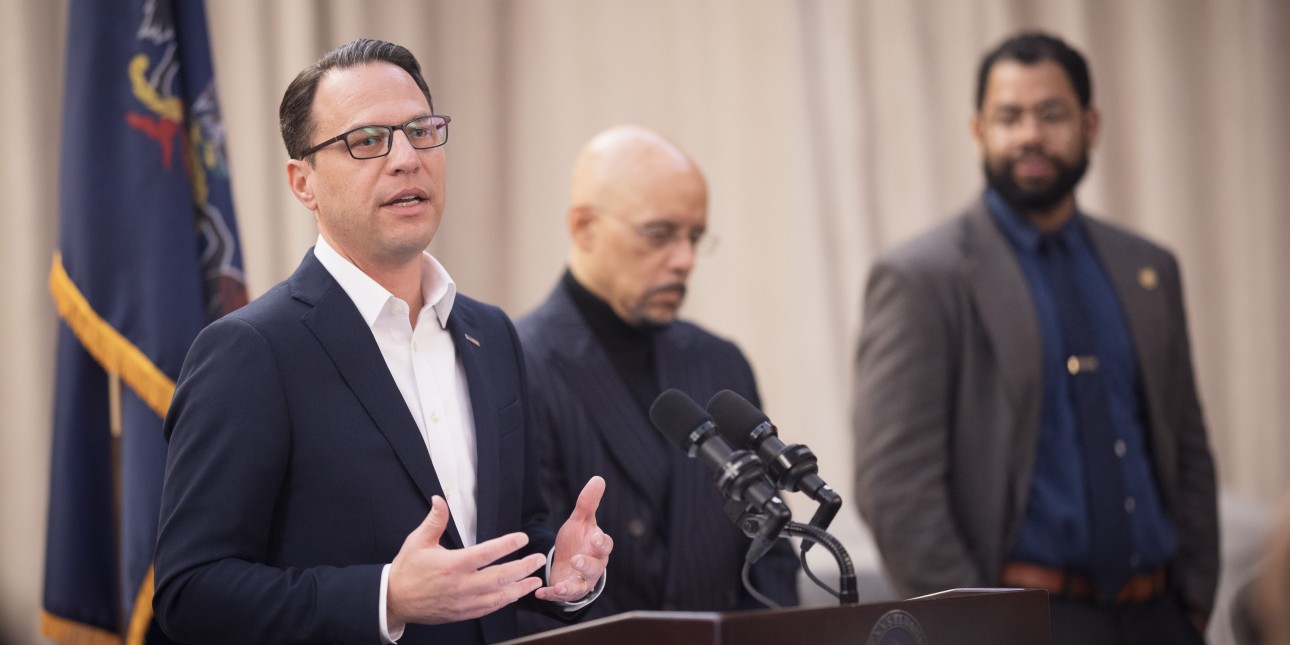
(630, 349)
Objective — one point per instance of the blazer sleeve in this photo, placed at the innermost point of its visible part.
(901, 417)
(1196, 506)
(229, 434)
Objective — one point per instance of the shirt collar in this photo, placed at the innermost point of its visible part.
(1021, 233)
(437, 287)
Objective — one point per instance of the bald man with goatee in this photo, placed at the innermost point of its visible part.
(603, 346)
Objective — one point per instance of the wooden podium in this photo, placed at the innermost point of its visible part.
(954, 617)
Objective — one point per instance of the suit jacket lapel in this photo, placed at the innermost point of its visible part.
(1005, 308)
(1002, 300)
(615, 415)
(463, 328)
(336, 323)
(1137, 287)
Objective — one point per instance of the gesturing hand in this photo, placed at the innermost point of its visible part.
(429, 584)
(581, 549)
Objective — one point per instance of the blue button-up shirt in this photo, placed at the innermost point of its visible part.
(1056, 531)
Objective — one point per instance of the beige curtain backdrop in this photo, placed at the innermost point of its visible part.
(830, 131)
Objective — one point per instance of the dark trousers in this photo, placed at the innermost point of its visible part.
(1155, 622)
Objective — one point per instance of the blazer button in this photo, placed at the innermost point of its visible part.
(636, 527)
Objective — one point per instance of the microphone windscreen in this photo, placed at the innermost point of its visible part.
(735, 417)
(677, 416)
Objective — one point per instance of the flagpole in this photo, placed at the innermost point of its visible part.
(139, 73)
(114, 426)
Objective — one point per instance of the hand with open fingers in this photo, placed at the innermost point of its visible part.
(581, 549)
(429, 584)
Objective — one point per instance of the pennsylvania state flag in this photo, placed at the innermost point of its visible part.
(148, 255)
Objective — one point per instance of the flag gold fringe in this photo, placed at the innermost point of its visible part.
(70, 632)
(113, 351)
(142, 617)
(117, 355)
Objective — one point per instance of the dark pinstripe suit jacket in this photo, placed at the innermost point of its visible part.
(587, 423)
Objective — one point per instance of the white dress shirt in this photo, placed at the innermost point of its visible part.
(432, 380)
(424, 364)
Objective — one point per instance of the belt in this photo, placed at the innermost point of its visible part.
(1067, 584)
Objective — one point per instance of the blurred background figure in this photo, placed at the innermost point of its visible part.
(1025, 413)
(601, 349)
(1271, 591)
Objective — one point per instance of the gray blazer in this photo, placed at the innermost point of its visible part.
(948, 389)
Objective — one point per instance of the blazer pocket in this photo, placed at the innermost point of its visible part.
(510, 418)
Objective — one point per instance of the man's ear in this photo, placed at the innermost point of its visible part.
(976, 125)
(300, 180)
(581, 220)
(1092, 126)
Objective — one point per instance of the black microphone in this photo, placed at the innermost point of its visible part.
(792, 467)
(739, 475)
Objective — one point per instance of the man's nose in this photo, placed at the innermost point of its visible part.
(683, 253)
(1029, 129)
(402, 155)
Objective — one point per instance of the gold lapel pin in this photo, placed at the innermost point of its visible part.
(1147, 278)
(472, 339)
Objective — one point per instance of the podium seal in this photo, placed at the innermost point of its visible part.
(897, 627)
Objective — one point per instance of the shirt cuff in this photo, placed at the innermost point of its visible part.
(575, 605)
(387, 638)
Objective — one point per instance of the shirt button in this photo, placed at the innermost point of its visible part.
(434, 416)
(1120, 448)
(636, 527)
(1129, 504)
(414, 345)
(399, 309)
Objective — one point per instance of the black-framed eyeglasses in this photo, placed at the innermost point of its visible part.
(372, 141)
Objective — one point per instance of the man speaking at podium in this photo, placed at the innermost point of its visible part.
(348, 458)
(1025, 411)
(603, 346)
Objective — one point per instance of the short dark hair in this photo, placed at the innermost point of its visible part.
(1031, 47)
(295, 114)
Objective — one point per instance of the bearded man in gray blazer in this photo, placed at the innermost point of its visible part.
(1025, 411)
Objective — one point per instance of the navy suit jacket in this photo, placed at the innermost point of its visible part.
(295, 471)
(587, 422)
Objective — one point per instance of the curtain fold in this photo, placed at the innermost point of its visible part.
(830, 131)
